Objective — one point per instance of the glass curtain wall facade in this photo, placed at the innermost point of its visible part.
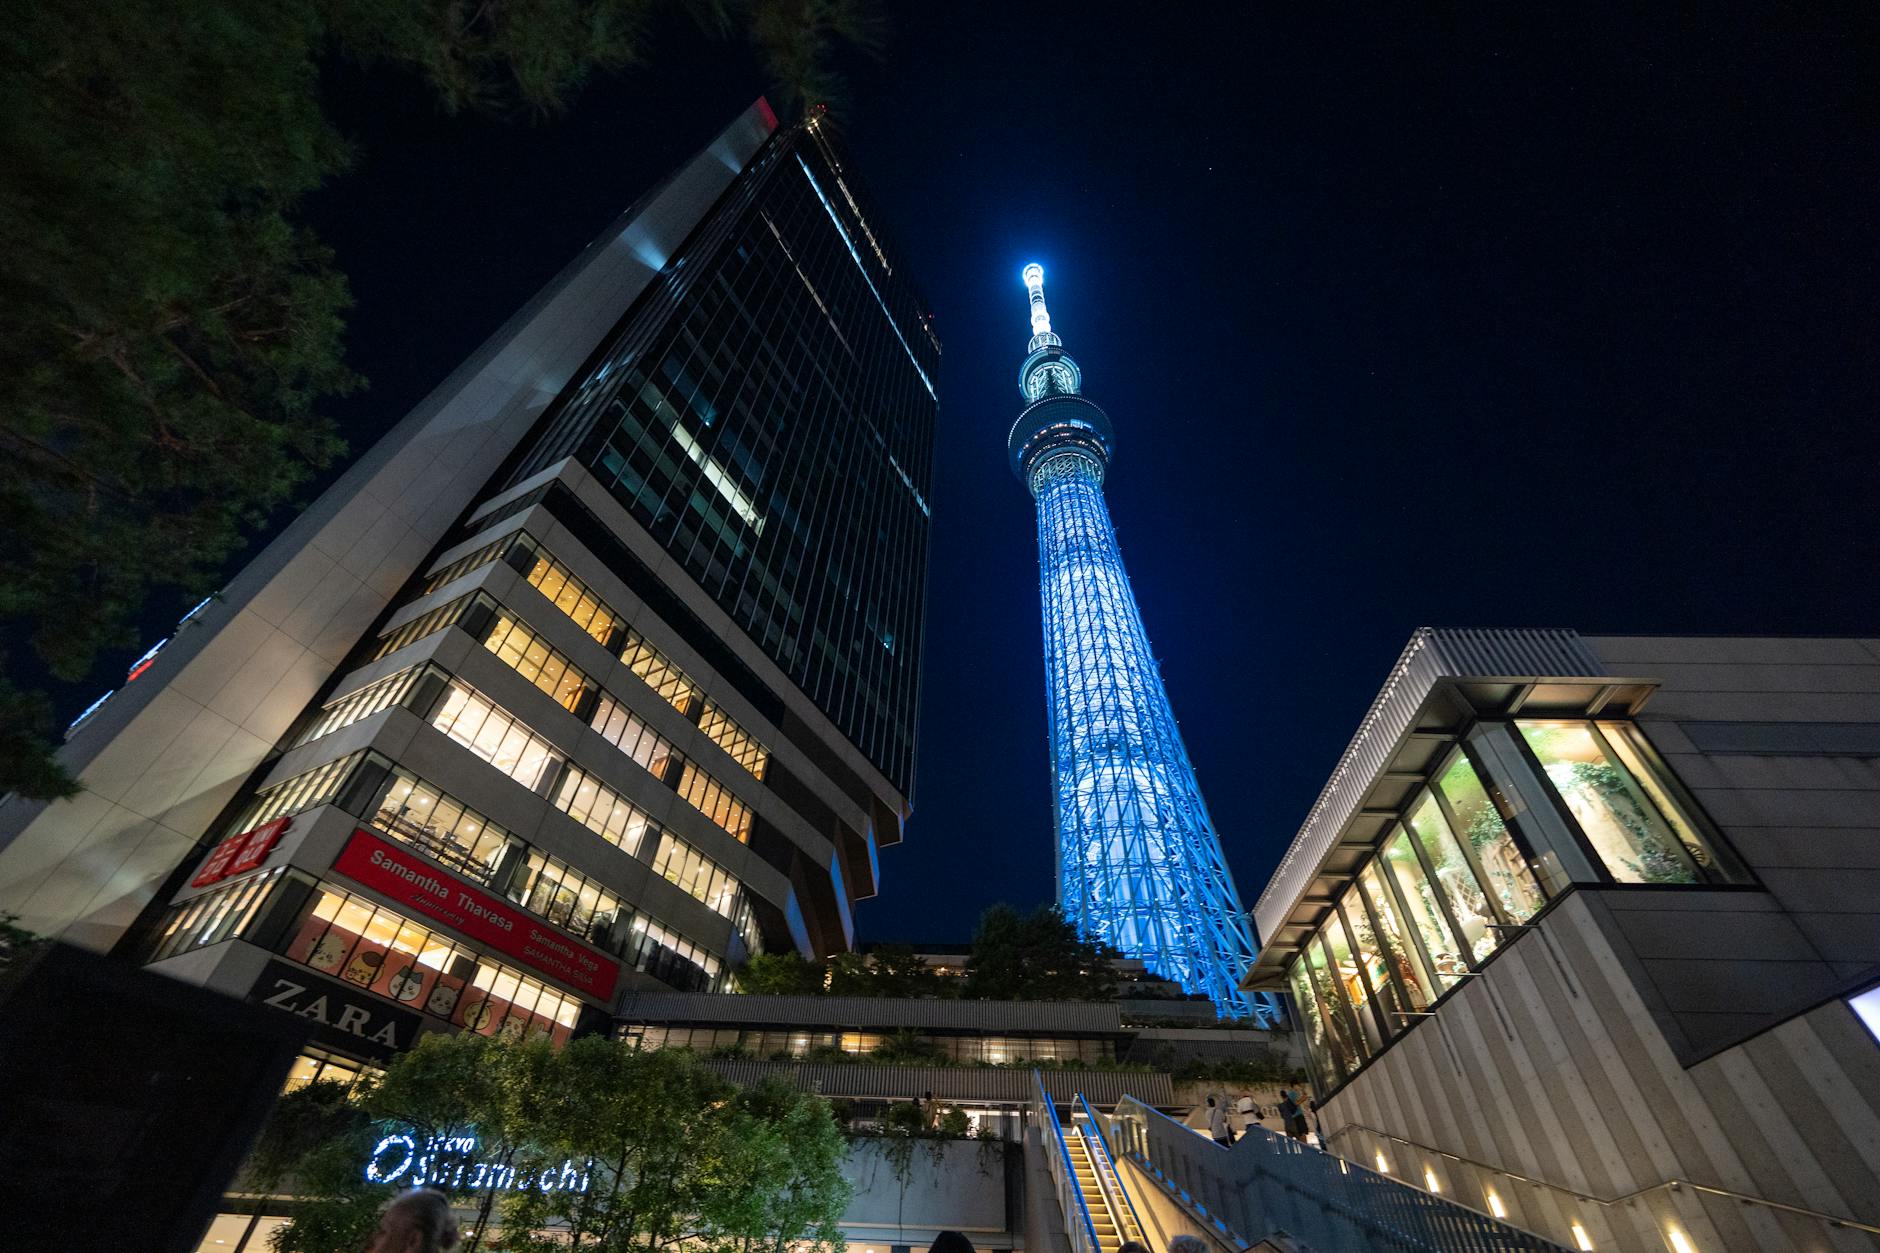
(1140, 865)
(770, 422)
(1514, 815)
(546, 719)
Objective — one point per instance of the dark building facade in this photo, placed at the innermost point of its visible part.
(599, 672)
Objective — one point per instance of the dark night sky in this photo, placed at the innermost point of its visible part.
(1499, 317)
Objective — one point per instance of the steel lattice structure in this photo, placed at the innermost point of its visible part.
(1139, 860)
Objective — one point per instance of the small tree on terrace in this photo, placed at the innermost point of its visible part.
(1037, 957)
(676, 1156)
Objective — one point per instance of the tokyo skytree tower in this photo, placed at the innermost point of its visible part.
(1139, 862)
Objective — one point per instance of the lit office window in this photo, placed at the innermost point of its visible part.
(715, 801)
(495, 735)
(419, 814)
(700, 877)
(529, 655)
(602, 810)
(1619, 819)
(627, 732)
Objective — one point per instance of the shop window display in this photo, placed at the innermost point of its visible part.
(1621, 822)
(349, 938)
(1503, 865)
(1468, 901)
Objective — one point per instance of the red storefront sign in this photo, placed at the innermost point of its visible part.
(260, 843)
(400, 875)
(239, 854)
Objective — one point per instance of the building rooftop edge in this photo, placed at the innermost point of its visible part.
(1432, 654)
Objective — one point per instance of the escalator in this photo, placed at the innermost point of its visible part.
(1099, 1216)
(1111, 1213)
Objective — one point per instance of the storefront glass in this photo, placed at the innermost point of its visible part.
(1401, 950)
(1479, 851)
(1468, 901)
(1346, 1054)
(1352, 981)
(411, 964)
(1625, 828)
(1502, 863)
(1447, 960)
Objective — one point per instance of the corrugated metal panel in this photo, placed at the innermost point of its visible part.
(1431, 655)
(857, 1012)
(952, 1083)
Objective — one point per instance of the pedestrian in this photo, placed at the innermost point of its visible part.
(1248, 1111)
(417, 1221)
(1292, 1118)
(1318, 1128)
(1218, 1126)
(1132, 1246)
(1187, 1244)
(950, 1242)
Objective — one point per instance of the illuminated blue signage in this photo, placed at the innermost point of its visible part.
(450, 1162)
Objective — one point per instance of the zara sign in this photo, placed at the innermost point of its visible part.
(350, 1019)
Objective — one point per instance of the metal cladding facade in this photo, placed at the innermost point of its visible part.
(1139, 860)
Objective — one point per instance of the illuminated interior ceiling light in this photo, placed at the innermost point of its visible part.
(1430, 1181)
(1383, 1167)
(856, 254)
(721, 481)
(1583, 1241)
(1680, 1242)
(1495, 1206)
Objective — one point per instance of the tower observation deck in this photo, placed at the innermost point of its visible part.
(1139, 861)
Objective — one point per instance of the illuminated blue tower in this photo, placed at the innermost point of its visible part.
(1139, 862)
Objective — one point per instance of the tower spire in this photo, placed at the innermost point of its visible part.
(1040, 316)
(1139, 859)
(1048, 369)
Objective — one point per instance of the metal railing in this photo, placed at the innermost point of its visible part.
(1266, 1184)
(1077, 1222)
(1658, 1196)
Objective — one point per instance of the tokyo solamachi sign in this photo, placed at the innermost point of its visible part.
(452, 1162)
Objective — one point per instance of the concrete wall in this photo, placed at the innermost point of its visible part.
(957, 1185)
(1778, 740)
(1551, 1065)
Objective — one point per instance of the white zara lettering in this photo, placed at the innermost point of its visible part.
(351, 1019)
(450, 1162)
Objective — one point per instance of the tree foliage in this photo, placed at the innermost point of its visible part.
(674, 1155)
(168, 329)
(1038, 956)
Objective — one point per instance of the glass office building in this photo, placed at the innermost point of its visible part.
(600, 672)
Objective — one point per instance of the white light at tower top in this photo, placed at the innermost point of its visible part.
(1034, 284)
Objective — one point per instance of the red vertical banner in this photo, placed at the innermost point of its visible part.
(216, 866)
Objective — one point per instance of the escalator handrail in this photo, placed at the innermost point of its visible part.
(1109, 1159)
(1064, 1153)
